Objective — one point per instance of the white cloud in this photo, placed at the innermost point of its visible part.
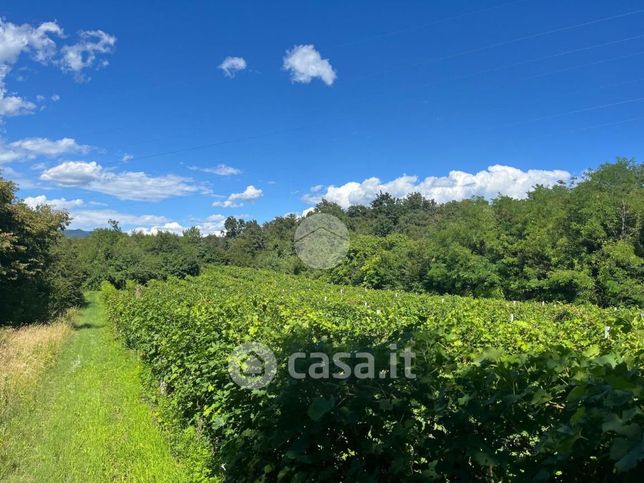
(126, 185)
(127, 157)
(11, 105)
(236, 199)
(214, 224)
(39, 42)
(83, 54)
(90, 219)
(305, 63)
(170, 227)
(30, 148)
(220, 170)
(58, 203)
(55, 98)
(457, 185)
(47, 147)
(232, 65)
(227, 204)
(22, 180)
(250, 193)
(15, 40)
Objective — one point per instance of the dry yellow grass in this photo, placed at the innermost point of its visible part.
(25, 353)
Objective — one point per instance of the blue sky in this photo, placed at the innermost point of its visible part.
(120, 110)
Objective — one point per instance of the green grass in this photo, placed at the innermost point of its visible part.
(87, 421)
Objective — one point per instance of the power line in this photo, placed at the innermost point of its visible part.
(459, 54)
(547, 57)
(607, 124)
(221, 143)
(587, 128)
(393, 33)
(576, 111)
(510, 42)
(587, 64)
(424, 85)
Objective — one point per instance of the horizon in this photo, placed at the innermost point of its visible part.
(206, 112)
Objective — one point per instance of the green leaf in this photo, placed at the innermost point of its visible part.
(580, 413)
(630, 459)
(592, 351)
(484, 459)
(619, 448)
(577, 393)
(320, 407)
(610, 359)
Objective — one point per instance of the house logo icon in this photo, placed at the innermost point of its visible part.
(252, 365)
(321, 241)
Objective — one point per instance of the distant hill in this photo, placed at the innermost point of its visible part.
(77, 233)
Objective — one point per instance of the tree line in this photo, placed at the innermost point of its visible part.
(576, 242)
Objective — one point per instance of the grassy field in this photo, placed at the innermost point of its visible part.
(25, 354)
(85, 419)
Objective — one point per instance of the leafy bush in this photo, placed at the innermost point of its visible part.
(39, 276)
(503, 391)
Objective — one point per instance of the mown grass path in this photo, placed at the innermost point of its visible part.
(86, 421)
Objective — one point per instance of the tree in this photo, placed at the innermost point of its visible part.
(233, 227)
(30, 280)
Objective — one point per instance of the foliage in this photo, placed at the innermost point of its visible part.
(38, 280)
(576, 243)
(113, 256)
(504, 391)
(582, 242)
(85, 421)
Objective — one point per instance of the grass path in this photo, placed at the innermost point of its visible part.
(86, 421)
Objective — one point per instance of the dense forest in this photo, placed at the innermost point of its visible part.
(577, 242)
(582, 242)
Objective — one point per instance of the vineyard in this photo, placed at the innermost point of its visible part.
(503, 391)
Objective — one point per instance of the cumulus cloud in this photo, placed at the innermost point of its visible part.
(82, 217)
(39, 42)
(457, 185)
(125, 185)
(305, 64)
(212, 225)
(83, 54)
(232, 65)
(220, 170)
(236, 199)
(14, 41)
(127, 157)
(30, 148)
(11, 105)
(58, 203)
(170, 227)
(90, 219)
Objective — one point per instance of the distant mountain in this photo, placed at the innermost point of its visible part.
(77, 233)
